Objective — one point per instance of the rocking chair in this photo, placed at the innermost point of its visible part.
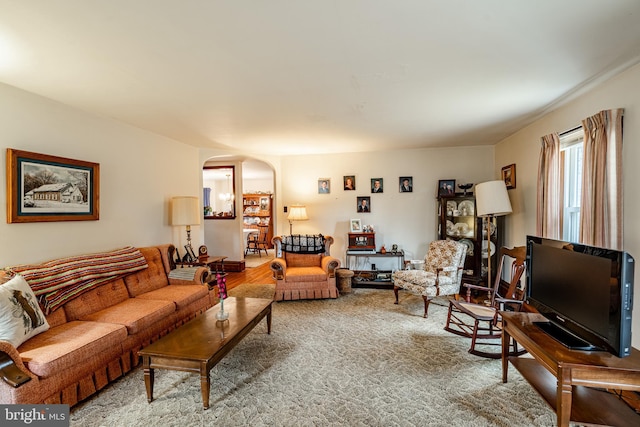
(506, 294)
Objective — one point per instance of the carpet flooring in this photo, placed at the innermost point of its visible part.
(254, 260)
(358, 360)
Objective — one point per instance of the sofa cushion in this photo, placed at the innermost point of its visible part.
(20, 316)
(56, 318)
(135, 313)
(67, 346)
(152, 278)
(302, 260)
(306, 274)
(97, 299)
(181, 295)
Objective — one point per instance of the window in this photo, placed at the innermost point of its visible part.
(571, 152)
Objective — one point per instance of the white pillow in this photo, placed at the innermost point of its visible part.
(20, 315)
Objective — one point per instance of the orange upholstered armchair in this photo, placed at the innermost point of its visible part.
(303, 268)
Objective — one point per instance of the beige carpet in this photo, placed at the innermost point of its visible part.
(254, 260)
(358, 360)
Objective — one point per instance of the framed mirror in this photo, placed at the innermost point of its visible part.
(219, 192)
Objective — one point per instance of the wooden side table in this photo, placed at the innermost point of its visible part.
(569, 379)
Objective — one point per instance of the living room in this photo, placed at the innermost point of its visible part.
(141, 170)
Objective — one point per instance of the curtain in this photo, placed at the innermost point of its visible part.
(601, 205)
(549, 188)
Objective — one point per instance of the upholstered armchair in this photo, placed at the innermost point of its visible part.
(303, 268)
(441, 275)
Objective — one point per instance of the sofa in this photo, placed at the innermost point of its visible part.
(94, 327)
(303, 267)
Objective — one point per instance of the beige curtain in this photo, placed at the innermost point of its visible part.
(601, 205)
(549, 206)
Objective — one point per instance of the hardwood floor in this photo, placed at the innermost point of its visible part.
(257, 275)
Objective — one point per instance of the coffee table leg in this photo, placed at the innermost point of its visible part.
(148, 377)
(205, 385)
(269, 321)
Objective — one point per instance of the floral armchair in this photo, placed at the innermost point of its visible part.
(442, 273)
(303, 268)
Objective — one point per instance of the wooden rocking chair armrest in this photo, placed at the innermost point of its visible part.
(477, 287)
(471, 287)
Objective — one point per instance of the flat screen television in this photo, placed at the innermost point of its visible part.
(585, 292)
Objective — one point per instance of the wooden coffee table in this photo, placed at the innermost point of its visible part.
(200, 344)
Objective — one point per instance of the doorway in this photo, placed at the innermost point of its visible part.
(258, 211)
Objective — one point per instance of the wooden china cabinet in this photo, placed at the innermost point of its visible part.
(457, 220)
(257, 212)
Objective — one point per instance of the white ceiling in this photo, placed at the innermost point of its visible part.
(317, 76)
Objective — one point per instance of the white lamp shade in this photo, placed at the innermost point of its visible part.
(185, 210)
(492, 199)
(298, 213)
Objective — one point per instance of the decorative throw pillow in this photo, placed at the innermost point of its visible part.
(20, 315)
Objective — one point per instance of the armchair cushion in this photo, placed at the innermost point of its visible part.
(306, 274)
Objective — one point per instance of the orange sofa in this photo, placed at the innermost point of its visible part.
(94, 337)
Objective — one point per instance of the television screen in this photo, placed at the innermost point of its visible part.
(585, 290)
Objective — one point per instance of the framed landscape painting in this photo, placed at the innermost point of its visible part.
(44, 188)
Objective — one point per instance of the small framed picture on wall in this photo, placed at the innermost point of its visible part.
(509, 176)
(446, 187)
(364, 204)
(349, 182)
(406, 184)
(376, 185)
(324, 186)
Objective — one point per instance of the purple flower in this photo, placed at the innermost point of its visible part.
(222, 286)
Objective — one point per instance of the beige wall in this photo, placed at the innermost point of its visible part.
(523, 149)
(139, 173)
(407, 219)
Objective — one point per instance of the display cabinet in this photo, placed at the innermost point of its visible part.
(257, 211)
(457, 220)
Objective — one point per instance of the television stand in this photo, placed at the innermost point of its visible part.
(565, 337)
(572, 382)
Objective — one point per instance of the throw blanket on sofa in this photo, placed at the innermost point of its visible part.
(58, 281)
(303, 244)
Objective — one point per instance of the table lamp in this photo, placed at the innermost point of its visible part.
(185, 210)
(296, 213)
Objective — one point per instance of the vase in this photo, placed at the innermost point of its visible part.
(222, 315)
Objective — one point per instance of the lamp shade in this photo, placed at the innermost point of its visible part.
(298, 213)
(492, 199)
(185, 210)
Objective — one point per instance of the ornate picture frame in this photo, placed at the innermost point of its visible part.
(43, 188)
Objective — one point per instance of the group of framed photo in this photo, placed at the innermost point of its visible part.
(405, 185)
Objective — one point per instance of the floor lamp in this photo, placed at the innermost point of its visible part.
(185, 210)
(492, 200)
(296, 213)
